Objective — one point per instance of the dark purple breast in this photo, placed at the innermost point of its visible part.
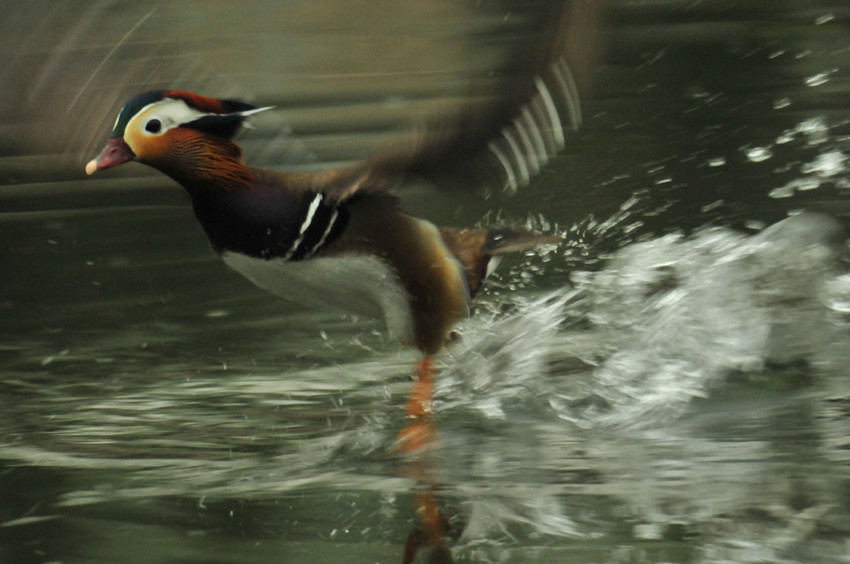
(269, 223)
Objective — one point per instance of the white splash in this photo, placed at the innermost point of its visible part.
(501, 359)
(669, 320)
(829, 166)
(679, 315)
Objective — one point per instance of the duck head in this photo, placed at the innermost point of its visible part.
(169, 129)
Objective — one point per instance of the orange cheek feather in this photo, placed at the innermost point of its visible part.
(161, 149)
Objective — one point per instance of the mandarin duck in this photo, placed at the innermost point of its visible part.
(339, 239)
(335, 239)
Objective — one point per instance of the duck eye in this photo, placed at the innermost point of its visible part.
(153, 126)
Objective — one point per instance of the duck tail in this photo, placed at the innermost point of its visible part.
(481, 250)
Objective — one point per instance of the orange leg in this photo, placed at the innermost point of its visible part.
(419, 433)
(421, 401)
(420, 430)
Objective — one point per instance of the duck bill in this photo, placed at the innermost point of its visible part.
(115, 153)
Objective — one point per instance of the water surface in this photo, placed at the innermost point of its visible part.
(667, 386)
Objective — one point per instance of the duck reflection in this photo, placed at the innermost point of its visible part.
(417, 442)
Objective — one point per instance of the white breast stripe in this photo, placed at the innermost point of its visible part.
(327, 232)
(311, 211)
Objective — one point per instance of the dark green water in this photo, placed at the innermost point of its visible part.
(668, 386)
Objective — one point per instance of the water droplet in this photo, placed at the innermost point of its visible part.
(214, 313)
(783, 192)
(717, 161)
(758, 154)
(838, 294)
(826, 164)
(712, 206)
(819, 79)
(648, 531)
(815, 130)
(824, 19)
(781, 103)
(806, 184)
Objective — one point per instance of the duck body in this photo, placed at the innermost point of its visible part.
(336, 239)
(365, 256)
(340, 240)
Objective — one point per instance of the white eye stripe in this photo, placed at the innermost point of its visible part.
(171, 113)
